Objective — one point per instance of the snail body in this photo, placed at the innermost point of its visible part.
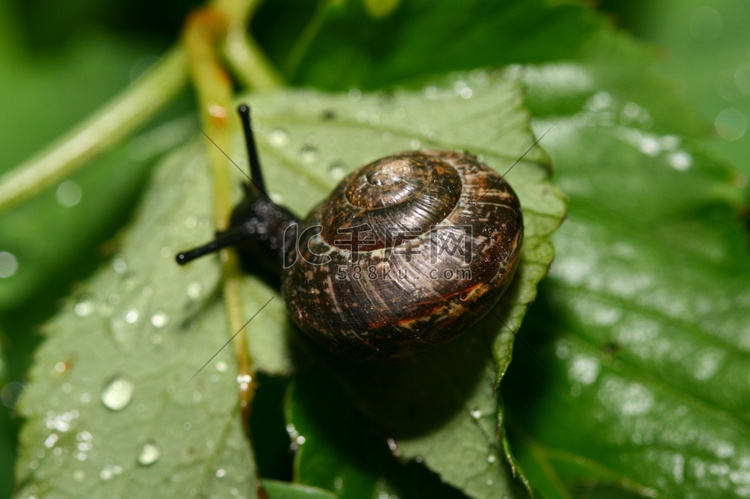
(405, 254)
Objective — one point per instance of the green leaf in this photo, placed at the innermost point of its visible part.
(710, 36)
(338, 449)
(642, 326)
(43, 97)
(400, 120)
(420, 39)
(284, 490)
(154, 324)
(112, 409)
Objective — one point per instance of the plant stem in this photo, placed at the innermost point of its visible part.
(204, 30)
(110, 124)
(247, 60)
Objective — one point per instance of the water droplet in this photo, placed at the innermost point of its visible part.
(705, 24)
(69, 194)
(584, 370)
(243, 381)
(159, 319)
(51, 440)
(118, 393)
(131, 316)
(221, 366)
(680, 160)
(278, 137)
(79, 475)
(10, 393)
(119, 265)
(220, 473)
(476, 413)
(393, 447)
(62, 366)
(150, 453)
(336, 169)
(60, 422)
(194, 291)
(463, 90)
(191, 222)
(731, 124)
(431, 92)
(8, 264)
(308, 154)
(129, 280)
(84, 306)
(355, 94)
(491, 458)
(106, 473)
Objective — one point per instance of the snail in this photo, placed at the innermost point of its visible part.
(405, 254)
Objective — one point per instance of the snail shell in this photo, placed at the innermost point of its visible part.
(405, 254)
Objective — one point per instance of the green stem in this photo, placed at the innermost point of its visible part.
(305, 39)
(105, 128)
(248, 62)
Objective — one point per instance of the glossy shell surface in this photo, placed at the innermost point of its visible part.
(406, 254)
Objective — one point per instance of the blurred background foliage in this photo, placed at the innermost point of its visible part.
(60, 60)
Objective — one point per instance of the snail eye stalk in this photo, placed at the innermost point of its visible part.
(237, 234)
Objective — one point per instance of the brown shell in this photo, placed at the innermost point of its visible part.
(406, 254)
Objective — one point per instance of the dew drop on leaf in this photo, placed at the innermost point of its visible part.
(118, 393)
(119, 265)
(354, 94)
(336, 170)
(393, 447)
(680, 160)
(220, 473)
(150, 454)
(278, 137)
(159, 319)
(131, 316)
(51, 440)
(194, 291)
(84, 306)
(106, 474)
(68, 194)
(308, 154)
(8, 264)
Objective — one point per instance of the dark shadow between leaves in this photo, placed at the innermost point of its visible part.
(412, 397)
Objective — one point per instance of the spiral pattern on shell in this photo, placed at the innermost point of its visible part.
(404, 255)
